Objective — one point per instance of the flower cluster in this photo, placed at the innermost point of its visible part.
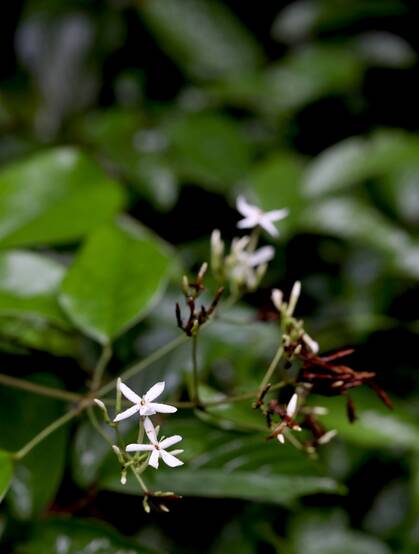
(145, 407)
(294, 337)
(245, 265)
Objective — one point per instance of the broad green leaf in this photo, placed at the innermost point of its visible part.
(38, 476)
(209, 149)
(233, 538)
(115, 280)
(310, 73)
(353, 219)
(139, 153)
(202, 36)
(376, 426)
(390, 510)
(384, 49)
(399, 192)
(277, 184)
(298, 20)
(312, 533)
(6, 473)
(357, 159)
(303, 76)
(29, 284)
(229, 465)
(23, 332)
(55, 196)
(75, 536)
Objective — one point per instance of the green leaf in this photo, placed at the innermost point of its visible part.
(6, 473)
(353, 219)
(312, 72)
(29, 284)
(357, 159)
(74, 536)
(38, 476)
(303, 76)
(22, 332)
(120, 138)
(209, 149)
(299, 20)
(115, 280)
(312, 533)
(376, 426)
(277, 183)
(229, 465)
(56, 196)
(202, 36)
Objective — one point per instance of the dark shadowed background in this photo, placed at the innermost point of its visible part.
(171, 108)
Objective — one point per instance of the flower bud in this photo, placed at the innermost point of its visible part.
(217, 253)
(327, 437)
(104, 410)
(277, 297)
(294, 296)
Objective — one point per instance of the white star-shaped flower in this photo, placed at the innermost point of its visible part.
(254, 216)
(244, 266)
(157, 449)
(144, 405)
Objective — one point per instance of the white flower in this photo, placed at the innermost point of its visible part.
(144, 404)
(157, 449)
(254, 216)
(246, 267)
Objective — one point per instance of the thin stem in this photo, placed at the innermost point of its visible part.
(240, 397)
(254, 239)
(101, 366)
(139, 479)
(271, 368)
(143, 364)
(20, 454)
(195, 381)
(95, 423)
(39, 389)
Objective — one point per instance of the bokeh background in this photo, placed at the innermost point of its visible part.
(310, 105)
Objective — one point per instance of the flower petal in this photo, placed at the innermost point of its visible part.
(245, 208)
(247, 223)
(292, 405)
(261, 256)
(276, 215)
(129, 393)
(162, 408)
(127, 413)
(169, 459)
(269, 227)
(147, 410)
(170, 441)
(139, 447)
(150, 430)
(155, 391)
(154, 459)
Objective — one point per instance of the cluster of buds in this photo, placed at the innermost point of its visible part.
(295, 339)
(245, 265)
(136, 457)
(288, 422)
(196, 317)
